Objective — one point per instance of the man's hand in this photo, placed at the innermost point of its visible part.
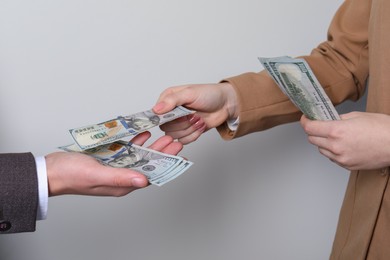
(75, 173)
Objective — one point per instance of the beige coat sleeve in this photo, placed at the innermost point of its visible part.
(340, 64)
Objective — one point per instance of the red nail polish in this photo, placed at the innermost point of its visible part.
(199, 124)
(194, 118)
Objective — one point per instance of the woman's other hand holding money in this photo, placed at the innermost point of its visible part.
(345, 141)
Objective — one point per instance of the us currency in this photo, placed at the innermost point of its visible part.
(159, 168)
(296, 79)
(92, 136)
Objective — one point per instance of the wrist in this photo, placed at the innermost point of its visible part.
(55, 185)
(231, 105)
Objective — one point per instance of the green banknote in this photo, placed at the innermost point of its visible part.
(296, 79)
(159, 168)
(92, 136)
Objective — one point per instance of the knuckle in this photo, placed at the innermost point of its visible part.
(118, 182)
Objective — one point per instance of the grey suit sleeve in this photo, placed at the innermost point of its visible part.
(18, 193)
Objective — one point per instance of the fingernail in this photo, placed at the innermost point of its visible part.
(199, 125)
(202, 129)
(194, 118)
(138, 182)
(159, 106)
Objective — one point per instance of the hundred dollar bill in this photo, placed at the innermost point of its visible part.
(295, 78)
(92, 136)
(158, 167)
(182, 167)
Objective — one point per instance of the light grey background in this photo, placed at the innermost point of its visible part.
(65, 64)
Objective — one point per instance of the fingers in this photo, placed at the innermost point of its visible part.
(119, 178)
(112, 191)
(179, 124)
(327, 148)
(166, 144)
(172, 97)
(318, 133)
(331, 156)
(128, 179)
(316, 127)
(198, 127)
(185, 129)
(167, 100)
(162, 107)
(120, 184)
(191, 137)
(141, 138)
(186, 124)
(320, 142)
(173, 148)
(161, 143)
(188, 135)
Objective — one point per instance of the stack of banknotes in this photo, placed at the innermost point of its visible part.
(295, 78)
(104, 141)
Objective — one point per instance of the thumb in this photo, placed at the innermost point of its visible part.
(173, 97)
(162, 107)
(120, 177)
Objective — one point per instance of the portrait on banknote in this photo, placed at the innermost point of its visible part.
(140, 123)
(133, 158)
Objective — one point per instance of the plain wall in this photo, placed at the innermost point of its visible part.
(69, 63)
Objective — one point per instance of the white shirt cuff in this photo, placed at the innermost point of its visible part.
(233, 123)
(43, 191)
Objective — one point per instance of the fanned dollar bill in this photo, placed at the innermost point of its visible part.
(295, 78)
(158, 167)
(92, 136)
